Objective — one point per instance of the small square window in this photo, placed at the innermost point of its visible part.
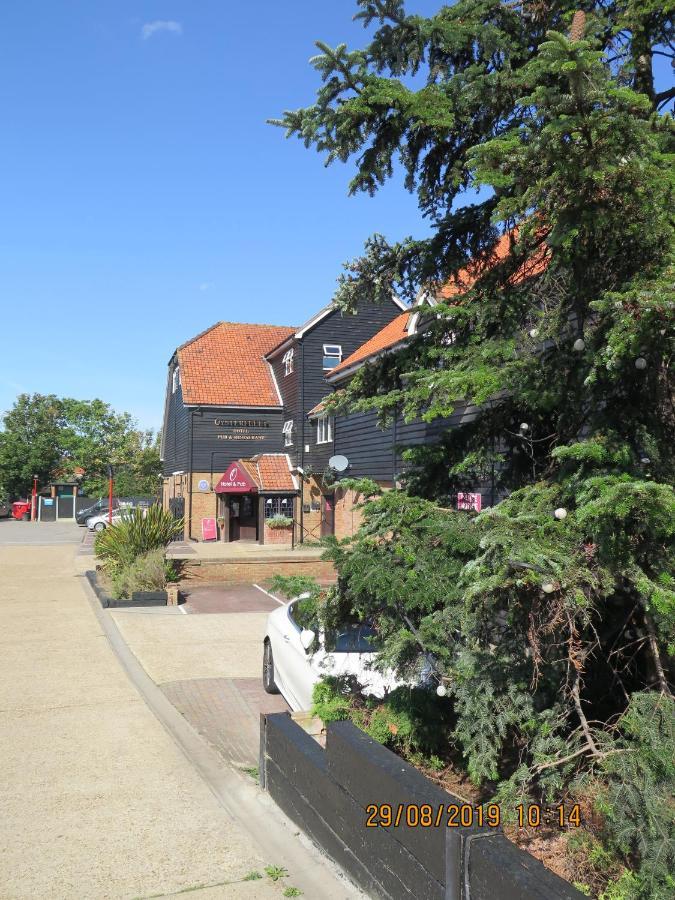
(332, 355)
(288, 433)
(288, 361)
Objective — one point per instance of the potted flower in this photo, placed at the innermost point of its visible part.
(279, 522)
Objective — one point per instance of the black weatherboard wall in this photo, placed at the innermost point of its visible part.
(302, 390)
(176, 430)
(326, 793)
(221, 435)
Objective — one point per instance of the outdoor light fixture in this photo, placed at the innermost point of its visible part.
(441, 690)
(560, 513)
(579, 345)
(524, 427)
(548, 587)
(534, 332)
(641, 363)
(269, 502)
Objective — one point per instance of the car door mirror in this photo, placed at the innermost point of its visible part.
(307, 638)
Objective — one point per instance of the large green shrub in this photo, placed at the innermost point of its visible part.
(149, 572)
(139, 532)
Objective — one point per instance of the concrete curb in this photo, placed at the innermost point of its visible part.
(274, 834)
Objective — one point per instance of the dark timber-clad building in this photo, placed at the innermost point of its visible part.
(238, 445)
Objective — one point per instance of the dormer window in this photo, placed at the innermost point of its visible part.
(288, 433)
(288, 361)
(332, 356)
(175, 380)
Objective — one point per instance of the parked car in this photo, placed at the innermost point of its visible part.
(100, 522)
(101, 507)
(291, 669)
(5, 509)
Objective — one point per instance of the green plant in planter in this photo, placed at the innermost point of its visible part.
(280, 522)
(139, 532)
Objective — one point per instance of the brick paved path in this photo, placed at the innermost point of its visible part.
(226, 712)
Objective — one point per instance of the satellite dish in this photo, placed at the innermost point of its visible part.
(339, 463)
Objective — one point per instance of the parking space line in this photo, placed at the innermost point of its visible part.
(267, 593)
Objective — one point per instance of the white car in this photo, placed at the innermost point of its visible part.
(295, 659)
(98, 523)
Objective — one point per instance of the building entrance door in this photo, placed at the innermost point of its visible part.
(243, 518)
(328, 516)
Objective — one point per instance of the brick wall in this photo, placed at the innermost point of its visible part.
(348, 517)
(278, 535)
(311, 521)
(204, 504)
(254, 571)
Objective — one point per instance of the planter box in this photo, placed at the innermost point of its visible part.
(138, 598)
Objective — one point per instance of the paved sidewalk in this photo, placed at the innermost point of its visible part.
(209, 663)
(226, 712)
(97, 799)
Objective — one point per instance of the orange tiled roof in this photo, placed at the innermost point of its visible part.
(269, 471)
(395, 332)
(392, 333)
(224, 365)
(466, 278)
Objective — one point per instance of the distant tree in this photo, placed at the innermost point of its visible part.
(48, 436)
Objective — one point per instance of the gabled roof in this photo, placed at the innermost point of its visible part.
(394, 333)
(225, 365)
(316, 318)
(270, 472)
(401, 328)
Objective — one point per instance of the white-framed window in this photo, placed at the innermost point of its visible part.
(175, 380)
(332, 355)
(279, 506)
(288, 361)
(324, 429)
(288, 433)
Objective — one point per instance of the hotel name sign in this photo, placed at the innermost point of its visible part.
(242, 429)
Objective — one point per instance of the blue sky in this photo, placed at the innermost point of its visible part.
(143, 196)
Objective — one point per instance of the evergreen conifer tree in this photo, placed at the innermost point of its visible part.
(549, 617)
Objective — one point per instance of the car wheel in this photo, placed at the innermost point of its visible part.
(268, 670)
(99, 526)
(25, 517)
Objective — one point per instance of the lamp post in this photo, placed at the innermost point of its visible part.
(110, 494)
(33, 503)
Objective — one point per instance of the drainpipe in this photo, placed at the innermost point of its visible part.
(302, 443)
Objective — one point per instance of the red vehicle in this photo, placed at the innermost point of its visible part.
(21, 510)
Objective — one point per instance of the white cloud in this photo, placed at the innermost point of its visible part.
(151, 28)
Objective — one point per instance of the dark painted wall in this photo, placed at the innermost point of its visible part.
(177, 431)
(306, 385)
(326, 794)
(350, 332)
(222, 435)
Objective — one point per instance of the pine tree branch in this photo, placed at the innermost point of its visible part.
(654, 648)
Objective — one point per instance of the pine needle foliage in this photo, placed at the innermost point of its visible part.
(553, 635)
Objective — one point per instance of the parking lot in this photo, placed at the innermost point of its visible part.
(37, 534)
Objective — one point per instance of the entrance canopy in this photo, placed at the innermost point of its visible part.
(236, 480)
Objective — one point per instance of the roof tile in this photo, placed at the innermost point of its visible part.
(224, 365)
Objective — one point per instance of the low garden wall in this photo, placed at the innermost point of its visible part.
(326, 793)
(138, 598)
(242, 571)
